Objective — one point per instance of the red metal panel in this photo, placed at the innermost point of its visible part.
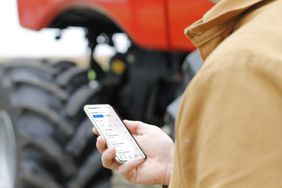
(156, 24)
(182, 13)
(142, 20)
(37, 14)
(149, 24)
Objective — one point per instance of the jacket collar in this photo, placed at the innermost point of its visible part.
(217, 24)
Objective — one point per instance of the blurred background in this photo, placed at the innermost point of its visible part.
(18, 42)
(58, 55)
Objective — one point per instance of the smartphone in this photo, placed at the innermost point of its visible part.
(109, 125)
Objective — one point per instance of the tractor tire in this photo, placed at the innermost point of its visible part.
(45, 139)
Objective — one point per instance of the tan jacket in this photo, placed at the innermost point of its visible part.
(229, 127)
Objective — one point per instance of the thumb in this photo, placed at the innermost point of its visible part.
(131, 125)
(137, 127)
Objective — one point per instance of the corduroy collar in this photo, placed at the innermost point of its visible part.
(217, 21)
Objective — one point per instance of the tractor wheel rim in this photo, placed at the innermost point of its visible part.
(7, 151)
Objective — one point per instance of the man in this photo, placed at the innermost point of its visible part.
(229, 127)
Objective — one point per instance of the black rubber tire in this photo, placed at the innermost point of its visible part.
(55, 146)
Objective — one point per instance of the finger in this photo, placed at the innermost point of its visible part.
(108, 159)
(101, 144)
(130, 165)
(94, 130)
(132, 126)
(137, 127)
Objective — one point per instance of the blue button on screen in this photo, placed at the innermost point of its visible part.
(98, 116)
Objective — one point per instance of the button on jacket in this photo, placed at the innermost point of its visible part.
(229, 126)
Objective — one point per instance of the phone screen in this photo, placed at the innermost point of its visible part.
(110, 126)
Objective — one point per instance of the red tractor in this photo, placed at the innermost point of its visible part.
(45, 138)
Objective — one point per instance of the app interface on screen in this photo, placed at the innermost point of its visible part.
(117, 135)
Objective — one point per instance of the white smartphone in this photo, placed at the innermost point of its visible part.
(110, 126)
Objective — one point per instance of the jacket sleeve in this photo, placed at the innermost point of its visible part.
(230, 126)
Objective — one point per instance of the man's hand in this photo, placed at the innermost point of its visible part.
(156, 145)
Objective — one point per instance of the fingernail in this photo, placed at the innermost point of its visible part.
(112, 150)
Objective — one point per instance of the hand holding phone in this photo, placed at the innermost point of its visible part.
(158, 148)
(110, 126)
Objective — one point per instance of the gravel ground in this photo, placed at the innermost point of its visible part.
(120, 182)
